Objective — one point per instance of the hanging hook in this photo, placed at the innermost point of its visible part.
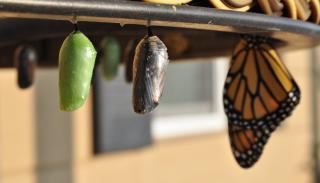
(74, 21)
(75, 27)
(149, 28)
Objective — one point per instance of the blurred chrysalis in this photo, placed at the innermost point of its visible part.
(110, 57)
(25, 59)
(177, 43)
(149, 68)
(129, 58)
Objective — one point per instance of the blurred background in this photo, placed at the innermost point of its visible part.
(184, 140)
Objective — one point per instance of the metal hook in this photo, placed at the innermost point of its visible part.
(149, 28)
(74, 21)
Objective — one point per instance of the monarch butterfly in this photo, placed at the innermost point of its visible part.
(259, 93)
(25, 58)
(149, 68)
(76, 62)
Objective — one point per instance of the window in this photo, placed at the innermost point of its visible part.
(192, 100)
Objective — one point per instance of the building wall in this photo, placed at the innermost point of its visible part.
(38, 143)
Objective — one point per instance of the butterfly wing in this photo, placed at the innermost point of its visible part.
(247, 144)
(259, 94)
(259, 88)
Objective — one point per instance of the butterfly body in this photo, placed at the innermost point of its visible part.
(259, 94)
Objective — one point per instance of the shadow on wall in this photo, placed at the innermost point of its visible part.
(54, 134)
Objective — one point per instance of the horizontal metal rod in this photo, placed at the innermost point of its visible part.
(299, 34)
(130, 12)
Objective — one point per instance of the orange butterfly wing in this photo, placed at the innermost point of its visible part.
(258, 89)
(247, 144)
(259, 94)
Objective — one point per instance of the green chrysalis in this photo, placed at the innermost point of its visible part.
(76, 61)
(110, 58)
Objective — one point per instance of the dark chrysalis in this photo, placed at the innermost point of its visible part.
(129, 58)
(149, 68)
(25, 59)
